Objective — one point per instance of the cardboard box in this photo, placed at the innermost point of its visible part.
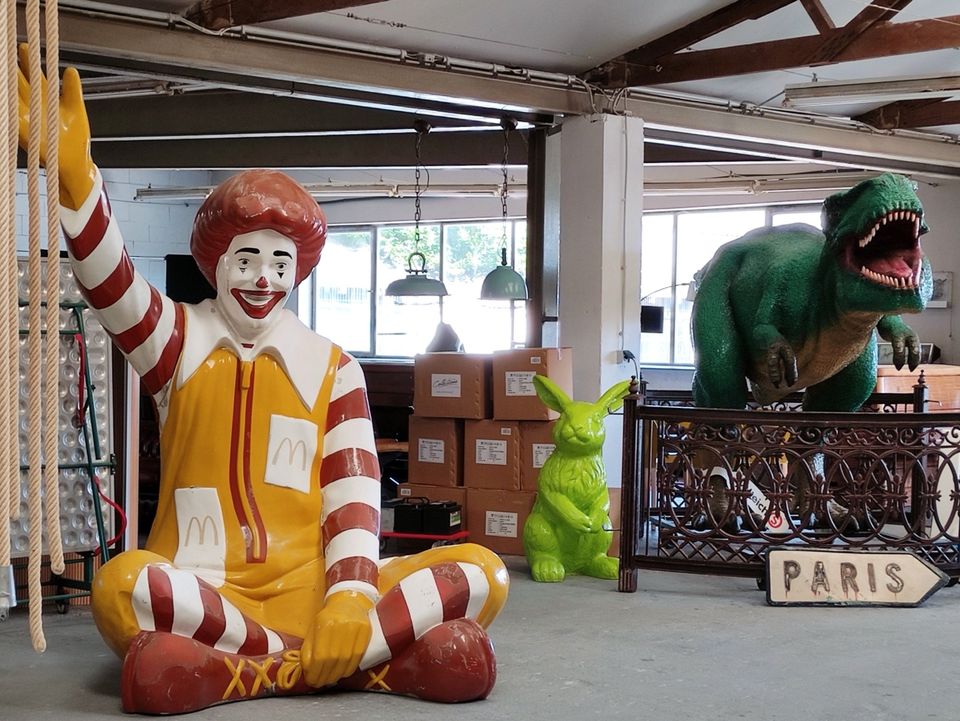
(491, 454)
(452, 385)
(496, 518)
(435, 453)
(514, 395)
(536, 445)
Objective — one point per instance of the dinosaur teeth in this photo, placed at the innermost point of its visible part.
(890, 280)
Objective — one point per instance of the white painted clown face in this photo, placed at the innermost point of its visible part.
(254, 279)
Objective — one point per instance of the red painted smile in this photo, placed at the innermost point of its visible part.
(257, 303)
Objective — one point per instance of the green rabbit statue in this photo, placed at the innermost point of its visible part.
(568, 530)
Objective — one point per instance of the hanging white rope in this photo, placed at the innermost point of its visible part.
(9, 478)
(9, 303)
(51, 368)
(34, 322)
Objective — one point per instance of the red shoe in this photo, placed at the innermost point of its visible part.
(168, 674)
(450, 663)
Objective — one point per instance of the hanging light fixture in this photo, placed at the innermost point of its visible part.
(503, 282)
(417, 282)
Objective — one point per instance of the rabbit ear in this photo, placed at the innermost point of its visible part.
(550, 393)
(613, 398)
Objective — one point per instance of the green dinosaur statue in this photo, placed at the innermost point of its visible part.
(791, 308)
(568, 530)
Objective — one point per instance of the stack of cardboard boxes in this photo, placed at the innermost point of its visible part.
(479, 436)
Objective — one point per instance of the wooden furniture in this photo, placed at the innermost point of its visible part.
(390, 392)
(943, 383)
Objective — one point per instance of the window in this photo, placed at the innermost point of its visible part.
(337, 302)
(674, 247)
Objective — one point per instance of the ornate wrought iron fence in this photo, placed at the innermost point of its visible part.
(710, 491)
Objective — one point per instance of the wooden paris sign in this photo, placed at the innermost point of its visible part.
(816, 577)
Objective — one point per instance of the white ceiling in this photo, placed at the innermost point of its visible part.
(571, 36)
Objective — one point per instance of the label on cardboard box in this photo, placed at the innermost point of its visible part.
(541, 452)
(520, 383)
(491, 453)
(501, 523)
(430, 450)
(445, 385)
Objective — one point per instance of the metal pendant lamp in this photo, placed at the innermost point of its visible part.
(417, 283)
(503, 282)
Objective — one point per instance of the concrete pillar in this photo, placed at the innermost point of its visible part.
(601, 207)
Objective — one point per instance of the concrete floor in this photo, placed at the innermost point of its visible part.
(682, 647)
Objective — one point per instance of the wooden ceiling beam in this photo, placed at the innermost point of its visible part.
(819, 15)
(913, 114)
(868, 18)
(884, 40)
(690, 34)
(220, 14)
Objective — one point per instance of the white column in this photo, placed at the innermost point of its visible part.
(601, 207)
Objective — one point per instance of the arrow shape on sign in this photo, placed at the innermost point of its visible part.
(829, 577)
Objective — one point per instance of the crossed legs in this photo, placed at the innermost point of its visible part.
(187, 645)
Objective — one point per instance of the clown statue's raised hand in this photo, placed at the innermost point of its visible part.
(261, 574)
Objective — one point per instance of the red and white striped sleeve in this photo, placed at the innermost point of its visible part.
(145, 325)
(350, 483)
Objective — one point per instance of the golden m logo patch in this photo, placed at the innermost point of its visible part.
(296, 451)
(198, 529)
(202, 541)
(290, 452)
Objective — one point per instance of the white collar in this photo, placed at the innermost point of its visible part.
(303, 355)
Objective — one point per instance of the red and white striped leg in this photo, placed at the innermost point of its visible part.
(173, 600)
(426, 642)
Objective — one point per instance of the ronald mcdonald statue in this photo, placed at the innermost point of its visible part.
(261, 575)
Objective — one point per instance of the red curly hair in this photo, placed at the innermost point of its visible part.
(258, 200)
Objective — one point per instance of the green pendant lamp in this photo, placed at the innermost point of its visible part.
(417, 283)
(503, 282)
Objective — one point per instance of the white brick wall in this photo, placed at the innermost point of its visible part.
(151, 229)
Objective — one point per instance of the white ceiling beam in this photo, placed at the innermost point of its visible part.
(872, 90)
(475, 83)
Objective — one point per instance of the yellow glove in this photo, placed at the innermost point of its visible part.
(77, 171)
(337, 639)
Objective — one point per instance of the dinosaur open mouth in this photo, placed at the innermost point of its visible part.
(889, 253)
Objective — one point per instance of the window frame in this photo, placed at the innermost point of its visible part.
(375, 230)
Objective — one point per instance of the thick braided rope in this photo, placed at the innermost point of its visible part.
(9, 304)
(51, 368)
(8, 477)
(34, 337)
